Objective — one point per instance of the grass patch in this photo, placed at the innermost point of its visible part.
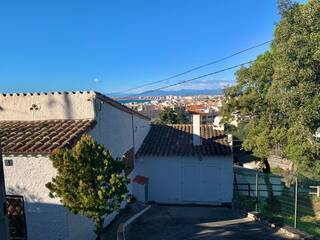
(281, 212)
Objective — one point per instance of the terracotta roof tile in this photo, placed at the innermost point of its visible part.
(177, 140)
(41, 136)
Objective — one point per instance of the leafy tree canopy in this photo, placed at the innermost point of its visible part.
(89, 181)
(171, 116)
(280, 91)
(181, 116)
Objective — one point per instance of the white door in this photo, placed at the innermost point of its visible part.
(211, 183)
(201, 182)
(190, 183)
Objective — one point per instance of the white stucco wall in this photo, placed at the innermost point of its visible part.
(115, 129)
(46, 218)
(141, 129)
(166, 180)
(49, 106)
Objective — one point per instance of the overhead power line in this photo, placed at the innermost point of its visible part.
(189, 80)
(198, 67)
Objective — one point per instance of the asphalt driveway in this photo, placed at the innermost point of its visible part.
(203, 223)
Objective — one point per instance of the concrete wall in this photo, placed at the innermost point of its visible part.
(166, 180)
(44, 106)
(46, 218)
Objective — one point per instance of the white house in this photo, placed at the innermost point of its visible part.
(185, 164)
(33, 124)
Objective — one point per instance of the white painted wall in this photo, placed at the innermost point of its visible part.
(50, 106)
(115, 129)
(82, 228)
(165, 176)
(46, 218)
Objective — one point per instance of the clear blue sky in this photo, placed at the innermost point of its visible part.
(112, 45)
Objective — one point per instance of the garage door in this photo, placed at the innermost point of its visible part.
(201, 183)
(188, 180)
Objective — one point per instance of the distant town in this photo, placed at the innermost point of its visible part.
(208, 106)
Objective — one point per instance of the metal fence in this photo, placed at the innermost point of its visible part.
(297, 205)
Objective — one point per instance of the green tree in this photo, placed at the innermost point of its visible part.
(181, 116)
(168, 116)
(280, 91)
(89, 181)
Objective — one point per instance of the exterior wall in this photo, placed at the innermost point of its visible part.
(82, 228)
(141, 129)
(165, 176)
(46, 106)
(46, 217)
(115, 129)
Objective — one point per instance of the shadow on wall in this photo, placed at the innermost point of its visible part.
(22, 191)
(66, 105)
(52, 221)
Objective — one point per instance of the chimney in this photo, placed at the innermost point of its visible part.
(196, 129)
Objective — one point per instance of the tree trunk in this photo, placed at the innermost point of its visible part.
(267, 171)
(99, 226)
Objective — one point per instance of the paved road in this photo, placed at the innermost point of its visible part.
(199, 223)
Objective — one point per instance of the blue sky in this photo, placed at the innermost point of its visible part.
(112, 45)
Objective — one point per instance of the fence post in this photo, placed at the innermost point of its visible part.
(296, 203)
(257, 189)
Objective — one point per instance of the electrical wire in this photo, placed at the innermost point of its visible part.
(189, 80)
(199, 67)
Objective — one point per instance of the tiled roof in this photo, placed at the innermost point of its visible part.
(177, 140)
(41, 136)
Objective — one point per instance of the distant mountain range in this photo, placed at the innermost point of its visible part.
(182, 92)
